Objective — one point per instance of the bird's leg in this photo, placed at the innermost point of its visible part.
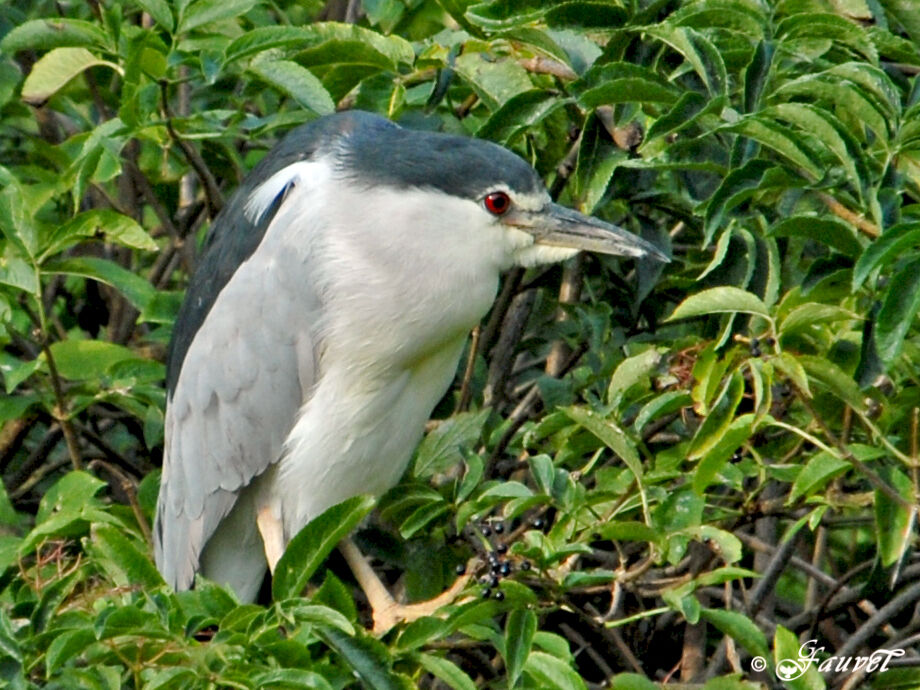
(272, 531)
(386, 611)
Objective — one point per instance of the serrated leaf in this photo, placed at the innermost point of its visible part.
(740, 628)
(699, 52)
(297, 82)
(202, 12)
(814, 313)
(896, 242)
(444, 447)
(520, 113)
(816, 473)
(57, 67)
(718, 454)
(447, 671)
(898, 312)
(834, 379)
(65, 646)
(551, 673)
(894, 524)
(125, 563)
(367, 657)
(824, 229)
(780, 139)
(309, 548)
(720, 300)
(632, 681)
(632, 371)
(81, 360)
(160, 11)
(611, 436)
(46, 34)
(138, 291)
(114, 226)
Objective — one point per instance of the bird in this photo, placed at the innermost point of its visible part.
(326, 319)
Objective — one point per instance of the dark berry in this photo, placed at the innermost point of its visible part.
(755, 352)
(460, 569)
(493, 581)
(502, 548)
(505, 569)
(486, 593)
(525, 565)
(486, 531)
(499, 528)
(538, 523)
(499, 596)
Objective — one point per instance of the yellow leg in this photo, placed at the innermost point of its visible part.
(387, 613)
(272, 532)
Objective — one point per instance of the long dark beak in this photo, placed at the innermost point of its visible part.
(558, 226)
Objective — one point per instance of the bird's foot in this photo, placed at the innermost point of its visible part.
(387, 613)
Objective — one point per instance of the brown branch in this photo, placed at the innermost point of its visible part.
(212, 193)
(855, 219)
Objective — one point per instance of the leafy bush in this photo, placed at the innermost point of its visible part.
(688, 465)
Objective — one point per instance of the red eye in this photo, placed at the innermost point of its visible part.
(497, 203)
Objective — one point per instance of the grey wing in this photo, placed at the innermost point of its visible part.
(245, 375)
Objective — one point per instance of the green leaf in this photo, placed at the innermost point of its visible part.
(789, 669)
(665, 403)
(632, 681)
(81, 360)
(627, 90)
(366, 656)
(57, 67)
(443, 447)
(740, 628)
(816, 473)
(65, 646)
(588, 15)
(780, 139)
(551, 673)
(632, 371)
(46, 34)
(446, 670)
(834, 379)
(116, 227)
(894, 524)
(717, 455)
(698, 51)
(138, 291)
(519, 631)
(495, 82)
(895, 243)
(307, 551)
(720, 300)
(125, 563)
(898, 312)
(825, 229)
(827, 129)
(520, 113)
(812, 314)
(611, 436)
(297, 82)
(688, 109)
(160, 11)
(203, 12)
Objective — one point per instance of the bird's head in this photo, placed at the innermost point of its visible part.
(491, 195)
(498, 191)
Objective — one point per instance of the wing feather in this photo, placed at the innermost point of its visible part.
(245, 376)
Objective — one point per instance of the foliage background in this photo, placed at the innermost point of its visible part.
(701, 462)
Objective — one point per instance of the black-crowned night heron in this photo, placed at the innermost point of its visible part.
(325, 321)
